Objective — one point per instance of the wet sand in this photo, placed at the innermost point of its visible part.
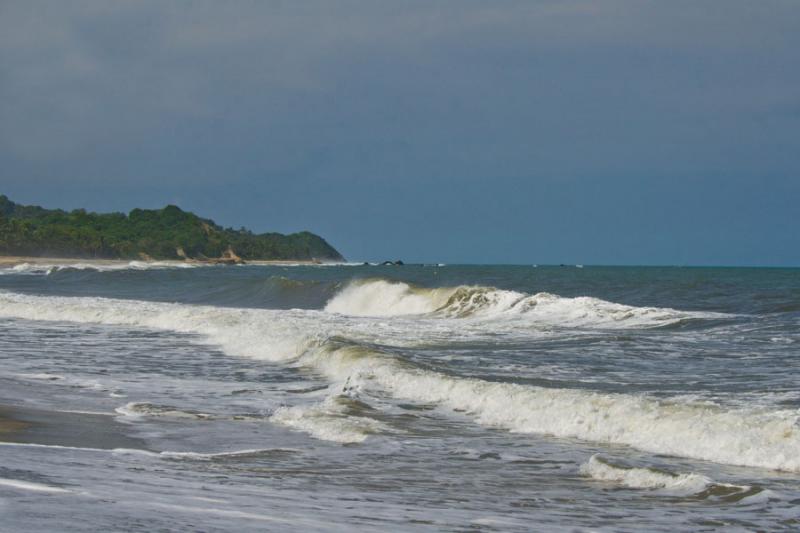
(9, 425)
(57, 428)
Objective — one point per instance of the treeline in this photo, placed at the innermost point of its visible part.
(168, 233)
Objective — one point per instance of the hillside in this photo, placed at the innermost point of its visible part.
(168, 233)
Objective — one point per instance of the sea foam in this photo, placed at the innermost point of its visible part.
(644, 478)
(328, 420)
(27, 485)
(675, 484)
(751, 437)
(50, 268)
(381, 298)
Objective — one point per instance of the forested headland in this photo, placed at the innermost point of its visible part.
(168, 233)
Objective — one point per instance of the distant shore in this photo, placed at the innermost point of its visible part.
(9, 261)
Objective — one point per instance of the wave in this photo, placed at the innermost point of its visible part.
(382, 298)
(218, 456)
(149, 410)
(742, 437)
(318, 340)
(273, 292)
(377, 297)
(41, 376)
(50, 268)
(329, 420)
(143, 409)
(643, 478)
(326, 420)
(199, 456)
(27, 485)
(692, 484)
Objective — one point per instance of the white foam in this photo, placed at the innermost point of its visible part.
(233, 454)
(227, 513)
(143, 409)
(100, 266)
(137, 410)
(750, 437)
(644, 478)
(42, 376)
(50, 446)
(675, 484)
(327, 420)
(742, 437)
(148, 453)
(196, 455)
(384, 298)
(27, 485)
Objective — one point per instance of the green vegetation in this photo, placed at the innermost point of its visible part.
(150, 233)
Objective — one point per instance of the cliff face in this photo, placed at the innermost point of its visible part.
(168, 233)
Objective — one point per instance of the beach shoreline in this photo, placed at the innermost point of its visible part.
(10, 261)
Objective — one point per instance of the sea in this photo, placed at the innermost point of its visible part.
(164, 397)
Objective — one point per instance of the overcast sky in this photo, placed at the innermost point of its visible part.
(596, 132)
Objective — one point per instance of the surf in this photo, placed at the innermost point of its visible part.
(384, 298)
(323, 341)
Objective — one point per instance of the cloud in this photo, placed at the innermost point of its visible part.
(459, 129)
(98, 88)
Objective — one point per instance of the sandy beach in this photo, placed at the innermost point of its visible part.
(14, 260)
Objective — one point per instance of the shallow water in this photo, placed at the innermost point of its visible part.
(415, 397)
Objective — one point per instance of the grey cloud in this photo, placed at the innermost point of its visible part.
(365, 91)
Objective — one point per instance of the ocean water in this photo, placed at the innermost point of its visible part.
(436, 397)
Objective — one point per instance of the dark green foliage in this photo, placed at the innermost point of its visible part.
(158, 233)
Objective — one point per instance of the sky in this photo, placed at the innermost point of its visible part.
(591, 132)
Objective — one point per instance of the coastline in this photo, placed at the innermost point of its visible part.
(10, 261)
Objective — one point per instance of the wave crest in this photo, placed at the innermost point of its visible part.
(329, 420)
(111, 266)
(749, 437)
(382, 298)
(695, 485)
(378, 297)
(643, 478)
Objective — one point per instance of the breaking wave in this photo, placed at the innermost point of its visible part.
(386, 298)
(143, 409)
(28, 485)
(50, 268)
(678, 484)
(379, 297)
(766, 438)
(643, 478)
(329, 420)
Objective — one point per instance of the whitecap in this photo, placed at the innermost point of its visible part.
(762, 437)
(27, 485)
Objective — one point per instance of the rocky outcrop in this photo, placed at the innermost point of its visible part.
(229, 257)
